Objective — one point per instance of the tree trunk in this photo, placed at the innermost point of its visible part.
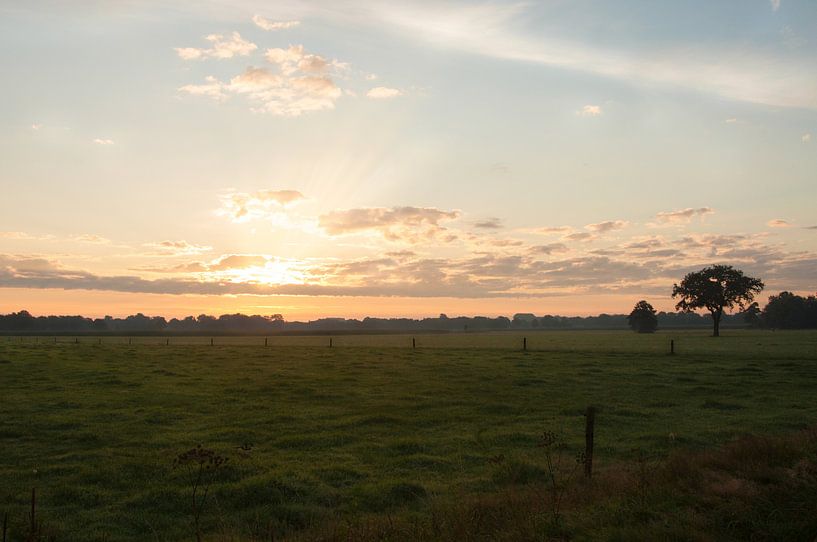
(716, 318)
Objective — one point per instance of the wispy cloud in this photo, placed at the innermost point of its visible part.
(779, 223)
(177, 248)
(775, 4)
(408, 224)
(382, 93)
(683, 216)
(806, 138)
(104, 142)
(589, 111)
(495, 30)
(267, 24)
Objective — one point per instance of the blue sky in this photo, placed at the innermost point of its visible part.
(366, 158)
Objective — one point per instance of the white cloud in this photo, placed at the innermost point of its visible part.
(267, 24)
(806, 138)
(211, 88)
(263, 204)
(590, 111)
(221, 47)
(731, 121)
(36, 126)
(99, 141)
(775, 4)
(740, 73)
(779, 223)
(299, 82)
(381, 93)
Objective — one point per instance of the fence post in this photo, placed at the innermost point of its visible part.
(413, 342)
(130, 341)
(524, 343)
(33, 511)
(590, 420)
(330, 342)
(672, 346)
(168, 342)
(76, 340)
(211, 341)
(265, 341)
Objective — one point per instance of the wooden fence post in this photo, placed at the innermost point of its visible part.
(33, 512)
(211, 341)
(265, 341)
(413, 342)
(589, 423)
(524, 343)
(330, 342)
(672, 346)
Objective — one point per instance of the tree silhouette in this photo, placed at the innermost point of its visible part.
(716, 288)
(643, 319)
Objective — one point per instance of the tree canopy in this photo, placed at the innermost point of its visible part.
(642, 319)
(716, 288)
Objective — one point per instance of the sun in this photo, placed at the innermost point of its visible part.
(274, 271)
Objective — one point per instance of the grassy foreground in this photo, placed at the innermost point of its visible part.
(365, 432)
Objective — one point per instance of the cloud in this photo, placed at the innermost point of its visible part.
(103, 141)
(683, 216)
(220, 48)
(608, 226)
(498, 30)
(299, 82)
(408, 224)
(550, 248)
(177, 248)
(731, 120)
(23, 236)
(805, 138)
(262, 204)
(383, 93)
(36, 126)
(90, 239)
(554, 229)
(779, 223)
(267, 24)
(775, 4)
(580, 236)
(589, 111)
(211, 88)
(489, 224)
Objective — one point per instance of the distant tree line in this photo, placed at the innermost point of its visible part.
(24, 322)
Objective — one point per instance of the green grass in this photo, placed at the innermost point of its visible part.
(369, 428)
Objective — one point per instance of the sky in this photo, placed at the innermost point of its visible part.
(350, 158)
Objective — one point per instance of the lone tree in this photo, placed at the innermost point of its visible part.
(716, 288)
(643, 319)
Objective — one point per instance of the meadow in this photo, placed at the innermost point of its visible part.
(370, 428)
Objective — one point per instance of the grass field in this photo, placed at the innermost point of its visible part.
(369, 428)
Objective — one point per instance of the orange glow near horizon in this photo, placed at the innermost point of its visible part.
(96, 304)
